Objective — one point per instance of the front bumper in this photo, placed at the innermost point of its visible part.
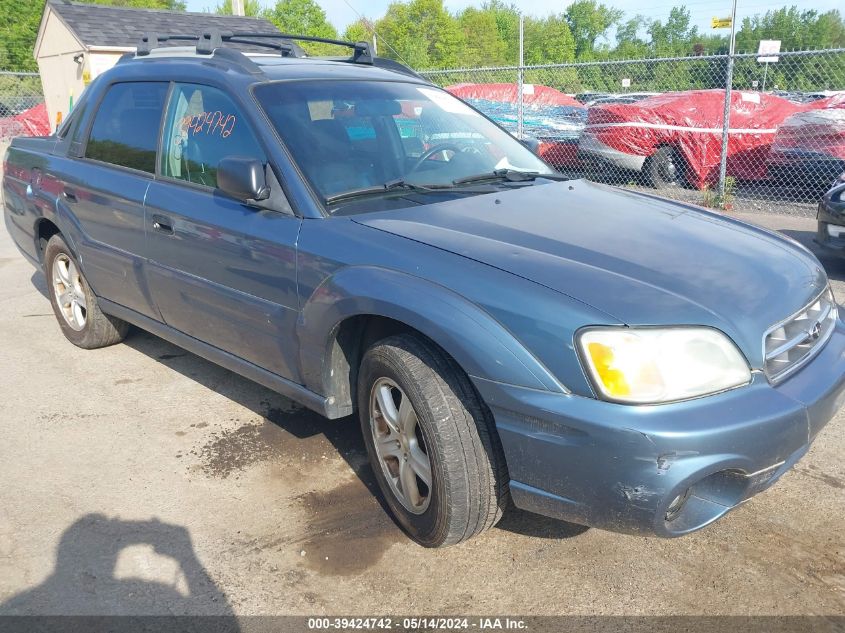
(619, 467)
(593, 151)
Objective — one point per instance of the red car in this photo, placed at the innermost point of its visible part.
(551, 117)
(676, 138)
(809, 147)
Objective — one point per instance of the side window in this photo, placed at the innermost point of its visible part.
(203, 125)
(125, 129)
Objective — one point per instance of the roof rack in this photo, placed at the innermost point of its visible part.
(213, 41)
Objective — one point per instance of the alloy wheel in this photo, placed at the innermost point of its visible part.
(69, 292)
(399, 445)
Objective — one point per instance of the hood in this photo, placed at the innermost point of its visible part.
(640, 259)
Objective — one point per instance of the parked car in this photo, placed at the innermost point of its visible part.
(31, 122)
(553, 118)
(627, 97)
(601, 356)
(675, 138)
(831, 219)
(809, 147)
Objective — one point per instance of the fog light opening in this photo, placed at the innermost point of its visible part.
(677, 505)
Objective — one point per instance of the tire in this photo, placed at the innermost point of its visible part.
(79, 316)
(452, 429)
(665, 168)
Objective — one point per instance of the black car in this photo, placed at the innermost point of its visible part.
(831, 217)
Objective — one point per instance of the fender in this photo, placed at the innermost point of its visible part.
(477, 342)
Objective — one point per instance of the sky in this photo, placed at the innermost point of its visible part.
(342, 12)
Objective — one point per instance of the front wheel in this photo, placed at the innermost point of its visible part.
(74, 305)
(431, 442)
(665, 168)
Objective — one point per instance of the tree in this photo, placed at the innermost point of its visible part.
(676, 36)
(301, 17)
(507, 23)
(588, 21)
(19, 23)
(484, 45)
(548, 41)
(629, 44)
(422, 34)
(361, 30)
(252, 8)
(18, 29)
(304, 17)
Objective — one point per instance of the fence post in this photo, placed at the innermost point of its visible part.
(726, 120)
(520, 80)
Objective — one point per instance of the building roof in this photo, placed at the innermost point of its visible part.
(120, 27)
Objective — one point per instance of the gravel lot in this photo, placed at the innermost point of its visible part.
(143, 479)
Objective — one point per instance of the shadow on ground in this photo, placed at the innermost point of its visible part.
(110, 567)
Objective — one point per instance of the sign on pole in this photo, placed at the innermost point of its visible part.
(768, 51)
(721, 23)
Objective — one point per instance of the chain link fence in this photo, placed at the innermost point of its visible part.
(658, 123)
(652, 123)
(21, 103)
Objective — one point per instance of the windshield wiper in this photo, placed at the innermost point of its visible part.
(510, 175)
(389, 186)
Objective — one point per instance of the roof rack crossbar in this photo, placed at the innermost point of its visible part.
(361, 50)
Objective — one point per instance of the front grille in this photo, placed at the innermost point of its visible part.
(793, 342)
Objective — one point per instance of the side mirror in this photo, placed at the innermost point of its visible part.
(531, 143)
(242, 178)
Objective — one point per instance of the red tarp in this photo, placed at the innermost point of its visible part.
(533, 95)
(692, 123)
(31, 122)
(820, 131)
(552, 117)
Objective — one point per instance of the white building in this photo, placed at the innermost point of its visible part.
(76, 42)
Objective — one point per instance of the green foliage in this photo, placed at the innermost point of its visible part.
(715, 200)
(481, 34)
(423, 34)
(304, 17)
(18, 28)
(548, 41)
(19, 21)
(361, 30)
(588, 21)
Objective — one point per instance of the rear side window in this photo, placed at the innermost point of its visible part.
(202, 126)
(125, 129)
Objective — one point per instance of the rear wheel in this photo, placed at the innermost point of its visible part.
(74, 305)
(431, 442)
(665, 168)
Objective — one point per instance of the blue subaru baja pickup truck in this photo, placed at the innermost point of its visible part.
(355, 238)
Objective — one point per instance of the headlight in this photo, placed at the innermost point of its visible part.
(654, 365)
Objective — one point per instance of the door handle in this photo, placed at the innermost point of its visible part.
(69, 195)
(162, 224)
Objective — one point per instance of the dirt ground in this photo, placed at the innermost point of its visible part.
(143, 479)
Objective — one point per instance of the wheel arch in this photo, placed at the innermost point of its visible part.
(358, 306)
(45, 228)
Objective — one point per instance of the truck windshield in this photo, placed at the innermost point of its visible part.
(355, 137)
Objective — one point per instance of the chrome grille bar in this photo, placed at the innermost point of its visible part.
(794, 341)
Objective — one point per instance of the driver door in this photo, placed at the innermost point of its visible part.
(220, 271)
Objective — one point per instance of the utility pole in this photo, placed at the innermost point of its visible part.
(521, 80)
(237, 7)
(723, 163)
